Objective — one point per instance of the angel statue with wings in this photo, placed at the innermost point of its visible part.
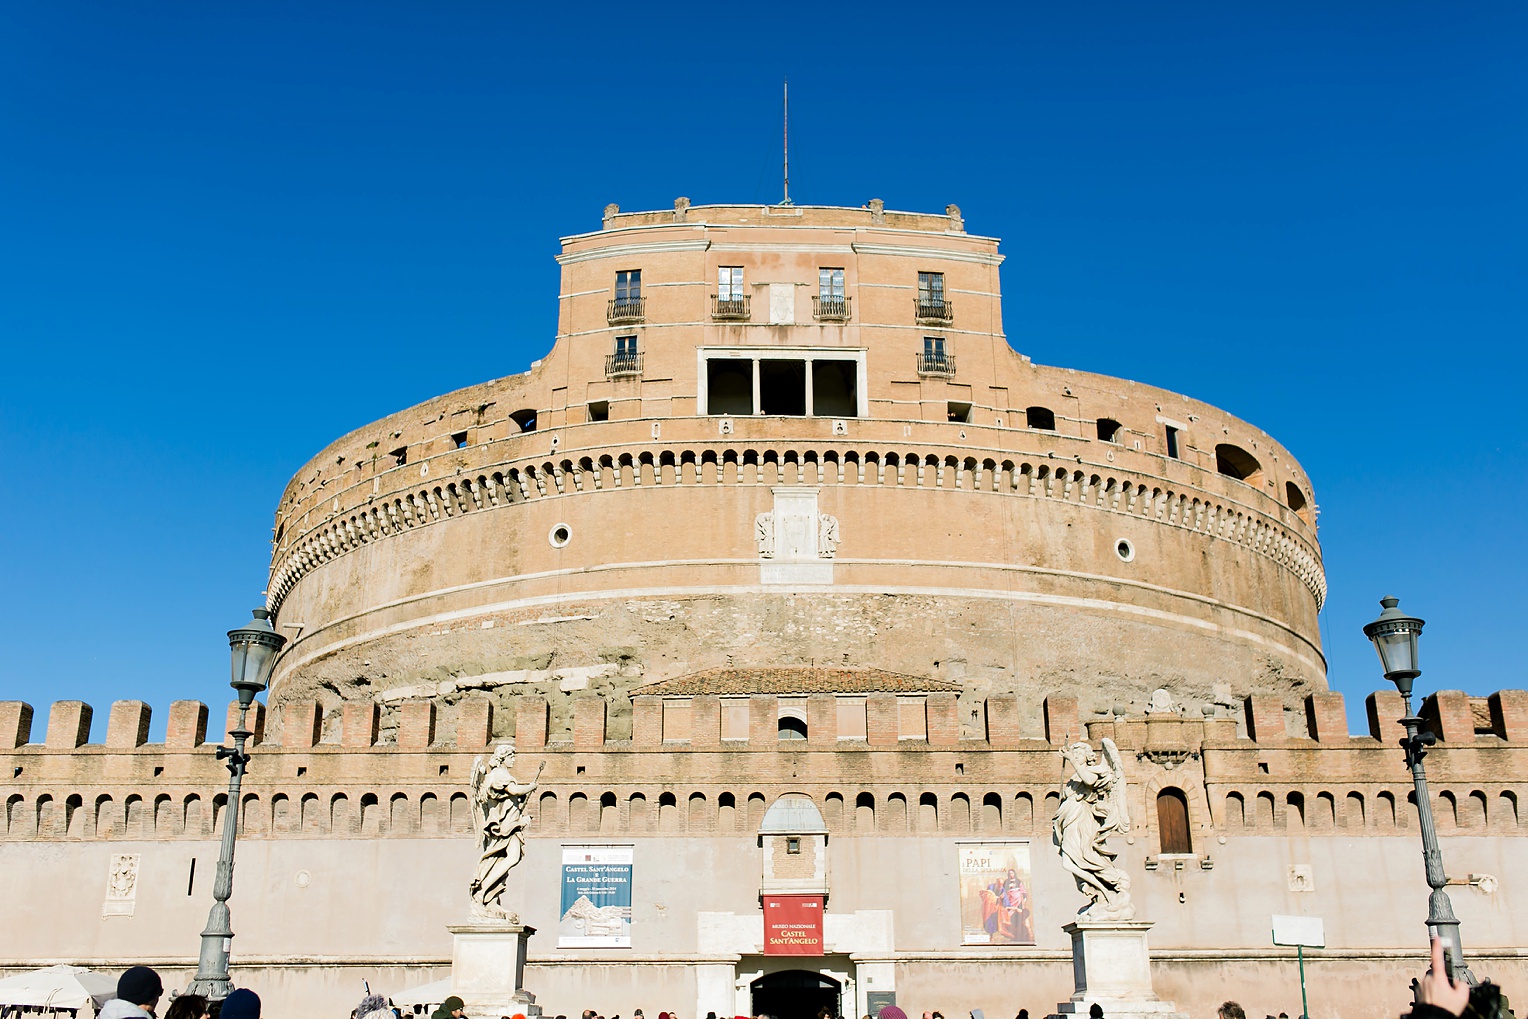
(498, 810)
(1092, 808)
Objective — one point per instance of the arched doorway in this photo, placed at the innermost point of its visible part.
(794, 994)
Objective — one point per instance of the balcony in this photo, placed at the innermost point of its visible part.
(625, 309)
(729, 309)
(625, 363)
(934, 311)
(936, 364)
(831, 309)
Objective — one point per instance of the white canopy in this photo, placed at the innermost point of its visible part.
(58, 987)
(428, 995)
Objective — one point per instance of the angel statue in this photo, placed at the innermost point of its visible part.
(498, 810)
(1092, 808)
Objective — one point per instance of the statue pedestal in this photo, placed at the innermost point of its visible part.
(1111, 967)
(488, 968)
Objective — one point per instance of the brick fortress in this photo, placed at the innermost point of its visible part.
(796, 576)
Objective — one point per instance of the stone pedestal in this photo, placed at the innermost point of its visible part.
(488, 968)
(1111, 968)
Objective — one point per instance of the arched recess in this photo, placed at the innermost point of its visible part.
(992, 813)
(610, 814)
(1234, 816)
(461, 813)
(312, 820)
(1172, 821)
(928, 813)
(726, 812)
(864, 813)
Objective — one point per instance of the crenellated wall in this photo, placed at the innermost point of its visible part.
(1271, 782)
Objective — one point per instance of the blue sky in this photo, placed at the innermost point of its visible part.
(230, 233)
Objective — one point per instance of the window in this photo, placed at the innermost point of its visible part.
(459, 440)
(1294, 496)
(959, 412)
(793, 383)
(628, 286)
(1172, 441)
(729, 283)
(931, 305)
(851, 718)
(1041, 418)
(626, 360)
(400, 456)
(792, 728)
(931, 288)
(599, 410)
(1108, 430)
(912, 718)
(782, 387)
(935, 360)
(628, 304)
(834, 389)
(1172, 821)
(1235, 462)
(793, 845)
(526, 419)
(729, 385)
(830, 285)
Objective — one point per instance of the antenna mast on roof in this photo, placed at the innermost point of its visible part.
(787, 200)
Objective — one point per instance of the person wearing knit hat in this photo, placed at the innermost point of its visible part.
(452, 1008)
(892, 1012)
(241, 1004)
(376, 1006)
(138, 991)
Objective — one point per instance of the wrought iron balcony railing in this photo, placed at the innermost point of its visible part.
(831, 309)
(936, 364)
(625, 309)
(731, 309)
(935, 311)
(624, 363)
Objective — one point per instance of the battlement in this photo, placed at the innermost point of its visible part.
(710, 763)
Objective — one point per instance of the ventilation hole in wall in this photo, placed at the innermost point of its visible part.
(158, 771)
(301, 771)
(17, 772)
(191, 878)
(559, 535)
(1124, 550)
(445, 769)
(579, 769)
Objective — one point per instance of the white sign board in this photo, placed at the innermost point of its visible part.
(1306, 931)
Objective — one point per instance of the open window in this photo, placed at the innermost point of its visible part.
(1108, 430)
(835, 389)
(1171, 435)
(960, 412)
(1040, 418)
(526, 419)
(782, 387)
(729, 385)
(1235, 462)
(1296, 500)
(599, 410)
(789, 382)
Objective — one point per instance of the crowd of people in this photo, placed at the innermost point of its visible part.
(139, 991)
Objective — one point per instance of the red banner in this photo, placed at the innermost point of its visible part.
(793, 925)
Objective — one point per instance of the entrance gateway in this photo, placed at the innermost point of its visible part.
(795, 994)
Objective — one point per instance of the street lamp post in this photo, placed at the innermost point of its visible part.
(1394, 635)
(253, 649)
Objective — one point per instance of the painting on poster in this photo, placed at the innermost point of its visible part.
(995, 906)
(596, 897)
